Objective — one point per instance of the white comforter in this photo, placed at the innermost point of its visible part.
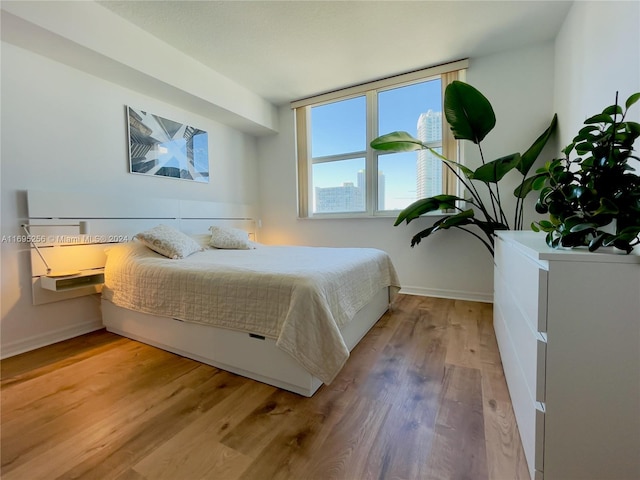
(300, 296)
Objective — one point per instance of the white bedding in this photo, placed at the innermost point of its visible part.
(300, 296)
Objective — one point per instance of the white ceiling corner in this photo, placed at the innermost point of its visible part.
(286, 50)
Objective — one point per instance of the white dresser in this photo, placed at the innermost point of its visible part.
(568, 329)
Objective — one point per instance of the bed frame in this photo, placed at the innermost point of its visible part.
(249, 355)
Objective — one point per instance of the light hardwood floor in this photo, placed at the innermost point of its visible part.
(423, 396)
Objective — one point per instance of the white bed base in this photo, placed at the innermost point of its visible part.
(251, 356)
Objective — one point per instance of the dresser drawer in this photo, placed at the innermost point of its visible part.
(529, 352)
(527, 281)
(529, 418)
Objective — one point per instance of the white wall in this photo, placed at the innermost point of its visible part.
(93, 39)
(597, 54)
(64, 129)
(451, 264)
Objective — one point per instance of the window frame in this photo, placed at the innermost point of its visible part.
(302, 112)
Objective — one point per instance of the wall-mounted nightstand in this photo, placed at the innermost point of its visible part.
(84, 279)
(53, 289)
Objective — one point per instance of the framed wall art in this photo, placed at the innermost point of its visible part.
(166, 148)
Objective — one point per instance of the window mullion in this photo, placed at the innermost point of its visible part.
(303, 143)
(449, 144)
(336, 158)
(372, 156)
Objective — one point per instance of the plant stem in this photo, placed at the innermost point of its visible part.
(503, 216)
(488, 245)
(492, 195)
(469, 186)
(613, 142)
(517, 219)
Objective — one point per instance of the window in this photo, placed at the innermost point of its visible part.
(339, 174)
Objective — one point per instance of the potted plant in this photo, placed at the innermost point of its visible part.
(593, 199)
(470, 117)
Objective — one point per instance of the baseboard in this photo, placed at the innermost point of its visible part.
(49, 338)
(453, 294)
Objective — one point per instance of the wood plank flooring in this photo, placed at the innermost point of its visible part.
(423, 396)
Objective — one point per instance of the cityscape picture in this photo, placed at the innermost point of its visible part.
(162, 147)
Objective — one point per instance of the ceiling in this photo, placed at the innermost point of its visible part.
(287, 50)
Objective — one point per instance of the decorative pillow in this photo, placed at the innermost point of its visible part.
(228, 237)
(169, 242)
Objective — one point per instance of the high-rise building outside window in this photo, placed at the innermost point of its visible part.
(429, 178)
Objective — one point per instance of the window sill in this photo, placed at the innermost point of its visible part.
(364, 216)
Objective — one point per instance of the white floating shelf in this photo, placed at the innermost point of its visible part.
(82, 280)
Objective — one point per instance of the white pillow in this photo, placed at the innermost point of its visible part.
(228, 237)
(169, 242)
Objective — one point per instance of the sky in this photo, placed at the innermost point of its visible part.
(340, 127)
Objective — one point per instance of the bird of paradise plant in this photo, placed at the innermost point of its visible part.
(470, 117)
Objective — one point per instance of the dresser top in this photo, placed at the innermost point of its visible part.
(533, 245)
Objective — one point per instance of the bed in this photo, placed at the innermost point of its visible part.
(346, 295)
(286, 316)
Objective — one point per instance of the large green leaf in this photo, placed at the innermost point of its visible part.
(584, 147)
(415, 240)
(494, 171)
(468, 112)
(462, 218)
(397, 142)
(599, 118)
(568, 149)
(606, 207)
(529, 157)
(575, 192)
(403, 142)
(613, 110)
(632, 99)
(581, 227)
(633, 127)
(465, 170)
(426, 205)
(489, 227)
(532, 183)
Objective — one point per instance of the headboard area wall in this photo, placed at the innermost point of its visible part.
(54, 219)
